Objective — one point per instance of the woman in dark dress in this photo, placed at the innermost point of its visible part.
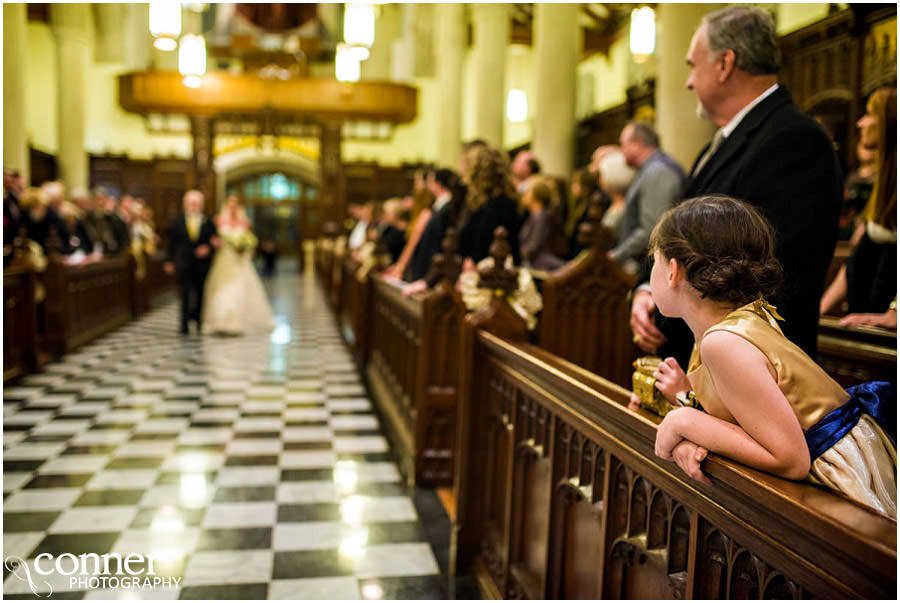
(490, 202)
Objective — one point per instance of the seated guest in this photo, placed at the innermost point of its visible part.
(390, 231)
(615, 179)
(750, 394)
(490, 202)
(539, 230)
(868, 280)
(443, 214)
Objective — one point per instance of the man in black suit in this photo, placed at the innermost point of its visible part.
(767, 152)
(189, 256)
(442, 185)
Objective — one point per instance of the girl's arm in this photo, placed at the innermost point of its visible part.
(768, 435)
(398, 268)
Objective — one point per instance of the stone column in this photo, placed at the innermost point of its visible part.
(491, 24)
(15, 137)
(451, 45)
(332, 190)
(557, 45)
(113, 22)
(682, 133)
(204, 176)
(71, 25)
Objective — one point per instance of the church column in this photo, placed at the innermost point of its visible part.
(557, 44)
(204, 176)
(332, 193)
(451, 41)
(71, 26)
(15, 137)
(113, 25)
(491, 24)
(682, 133)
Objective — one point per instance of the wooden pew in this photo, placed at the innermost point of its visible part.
(587, 308)
(560, 495)
(19, 321)
(413, 369)
(85, 301)
(355, 315)
(853, 355)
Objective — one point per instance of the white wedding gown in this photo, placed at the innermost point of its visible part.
(234, 301)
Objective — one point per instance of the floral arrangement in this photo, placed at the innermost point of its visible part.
(241, 240)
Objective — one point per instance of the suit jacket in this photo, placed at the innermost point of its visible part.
(181, 248)
(394, 240)
(780, 160)
(429, 243)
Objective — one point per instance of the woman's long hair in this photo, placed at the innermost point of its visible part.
(489, 177)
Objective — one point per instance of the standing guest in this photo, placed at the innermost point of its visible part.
(766, 152)
(71, 217)
(525, 168)
(363, 215)
(12, 213)
(584, 189)
(615, 179)
(422, 200)
(96, 222)
(390, 232)
(84, 229)
(119, 239)
(443, 214)
(868, 280)
(658, 184)
(39, 220)
(189, 255)
(490, 202)
(539, 230)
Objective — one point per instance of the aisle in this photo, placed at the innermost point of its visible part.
(249, 467)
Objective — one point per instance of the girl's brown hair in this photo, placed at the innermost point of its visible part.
(882, 206)
(726, 246)
(489, 177)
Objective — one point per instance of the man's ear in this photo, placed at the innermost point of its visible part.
(726, 65)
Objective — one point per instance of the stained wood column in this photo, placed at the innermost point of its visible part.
(204, 177)
(332, 189)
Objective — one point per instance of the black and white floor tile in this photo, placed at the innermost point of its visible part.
(249, 467)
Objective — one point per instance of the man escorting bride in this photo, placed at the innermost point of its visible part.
(227, 298)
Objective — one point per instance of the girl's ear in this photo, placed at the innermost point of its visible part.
(676, 273)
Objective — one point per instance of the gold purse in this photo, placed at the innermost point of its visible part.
(642, 382)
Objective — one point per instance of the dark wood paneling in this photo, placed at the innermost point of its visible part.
(43, 167)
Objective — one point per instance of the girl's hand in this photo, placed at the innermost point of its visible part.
(668, 434)
(688, 456)
(670, 379)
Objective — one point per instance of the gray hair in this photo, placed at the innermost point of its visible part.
(615, 175)
(643, 132)
(750, 33)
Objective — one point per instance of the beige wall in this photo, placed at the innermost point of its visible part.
(791, 17)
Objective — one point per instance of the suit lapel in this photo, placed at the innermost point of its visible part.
(738, 139)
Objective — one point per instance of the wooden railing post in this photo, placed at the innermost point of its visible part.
(57, 299)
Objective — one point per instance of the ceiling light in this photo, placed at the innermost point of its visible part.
(165, 23)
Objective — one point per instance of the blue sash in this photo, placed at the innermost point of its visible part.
(877, 399)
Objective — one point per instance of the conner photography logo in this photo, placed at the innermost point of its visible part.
(88, 571)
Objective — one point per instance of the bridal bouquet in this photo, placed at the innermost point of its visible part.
(240, 240)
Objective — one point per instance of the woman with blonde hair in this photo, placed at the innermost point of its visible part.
(490, 202)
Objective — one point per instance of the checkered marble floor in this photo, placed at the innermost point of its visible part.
(250, 467)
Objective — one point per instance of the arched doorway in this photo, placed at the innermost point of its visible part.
(280, 190)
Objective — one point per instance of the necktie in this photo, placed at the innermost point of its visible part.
(713, 146)
(193, 226)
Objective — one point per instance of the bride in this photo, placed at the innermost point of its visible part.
(234, 301)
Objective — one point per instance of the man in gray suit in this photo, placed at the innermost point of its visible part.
(658, 185)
